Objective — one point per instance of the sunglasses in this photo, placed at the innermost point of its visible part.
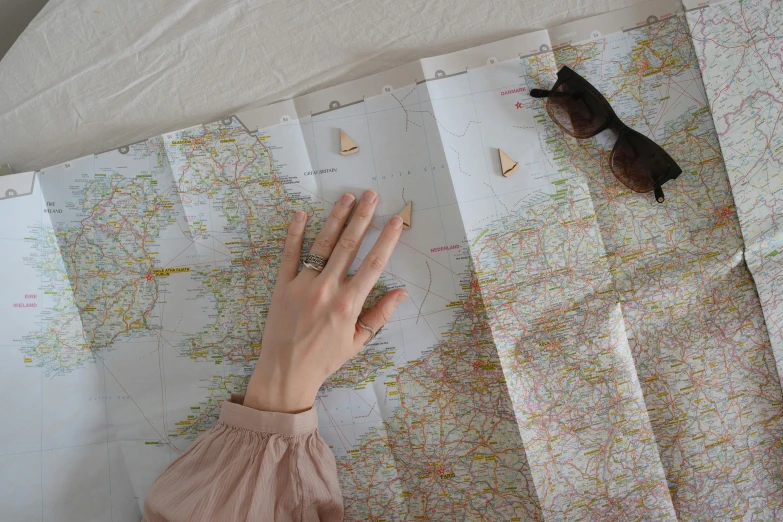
(582, 111)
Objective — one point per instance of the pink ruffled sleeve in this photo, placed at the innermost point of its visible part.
(253, 465)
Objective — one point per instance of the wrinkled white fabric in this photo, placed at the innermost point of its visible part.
(90, 75)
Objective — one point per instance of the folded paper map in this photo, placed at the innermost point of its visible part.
(571, 350)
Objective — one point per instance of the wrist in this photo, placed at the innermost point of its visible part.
(266, 393)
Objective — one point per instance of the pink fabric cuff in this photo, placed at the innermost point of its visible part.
(288, 424)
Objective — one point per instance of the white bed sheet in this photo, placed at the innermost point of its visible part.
(91, 75)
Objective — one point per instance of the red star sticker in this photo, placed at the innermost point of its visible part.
(519, 105)
(148, 277)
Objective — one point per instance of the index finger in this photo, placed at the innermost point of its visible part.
(289, 261)
(375, 262)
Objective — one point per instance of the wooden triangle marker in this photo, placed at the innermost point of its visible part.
(347, 145)
(405, 214)
(507, 165)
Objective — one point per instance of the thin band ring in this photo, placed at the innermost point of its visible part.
(373, 333)
(314, 262)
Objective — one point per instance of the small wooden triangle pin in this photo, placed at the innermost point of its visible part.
(507, 165)
(347, 145)
(406, 215)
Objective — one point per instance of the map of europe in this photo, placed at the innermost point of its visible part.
(740, 51)
(571, 350)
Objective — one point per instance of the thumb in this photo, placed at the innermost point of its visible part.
(378, 315)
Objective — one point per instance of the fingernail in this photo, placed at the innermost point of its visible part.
(369, 196)
(347, 199)
(396, 222)
(299, 216)
(401, 297)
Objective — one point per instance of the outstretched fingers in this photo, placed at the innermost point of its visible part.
(375, 261)
(289, 263)
(330, 233)
(377, 316)
(348, 245)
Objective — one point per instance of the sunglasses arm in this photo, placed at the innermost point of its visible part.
(544, 93)
(659, 194)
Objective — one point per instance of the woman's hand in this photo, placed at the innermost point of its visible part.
(311, 328)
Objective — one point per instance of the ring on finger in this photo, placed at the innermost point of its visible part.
(373, 333)
(314, 262)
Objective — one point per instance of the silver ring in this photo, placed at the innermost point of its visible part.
(373, 333)
(314, 262)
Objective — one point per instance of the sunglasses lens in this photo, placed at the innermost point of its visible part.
(638, 162)
(576, 109)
